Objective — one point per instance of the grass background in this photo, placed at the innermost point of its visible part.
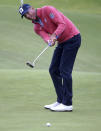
(24, 92)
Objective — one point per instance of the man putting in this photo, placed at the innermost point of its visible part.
(53, 26)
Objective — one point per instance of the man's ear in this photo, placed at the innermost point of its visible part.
(31, 8)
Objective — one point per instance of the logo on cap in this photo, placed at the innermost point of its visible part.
(21, 10)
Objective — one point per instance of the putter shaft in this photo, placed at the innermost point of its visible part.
(40, 54)
(33, 64)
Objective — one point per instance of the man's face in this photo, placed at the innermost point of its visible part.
(30, 15)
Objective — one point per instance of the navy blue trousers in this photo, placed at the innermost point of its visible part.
(61, 68)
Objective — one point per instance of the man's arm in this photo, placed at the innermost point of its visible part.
(44, 35)
(56, 18)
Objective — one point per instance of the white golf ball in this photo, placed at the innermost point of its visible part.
(48, 124)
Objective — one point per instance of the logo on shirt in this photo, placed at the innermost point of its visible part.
(51, 15)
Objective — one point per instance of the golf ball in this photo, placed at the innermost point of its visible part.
(48, 124)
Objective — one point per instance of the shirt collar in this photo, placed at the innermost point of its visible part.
(38, 14)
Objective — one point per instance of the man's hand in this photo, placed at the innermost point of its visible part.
(52, 40)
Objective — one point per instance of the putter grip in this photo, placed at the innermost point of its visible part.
(50, 42)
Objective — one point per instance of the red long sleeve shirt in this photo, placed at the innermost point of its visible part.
(52, 21)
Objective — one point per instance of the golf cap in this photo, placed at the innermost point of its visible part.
(24, 9)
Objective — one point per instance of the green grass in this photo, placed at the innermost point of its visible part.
(24, 92)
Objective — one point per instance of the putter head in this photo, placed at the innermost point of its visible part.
(30, 64)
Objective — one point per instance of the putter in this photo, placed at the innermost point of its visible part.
(32, 65)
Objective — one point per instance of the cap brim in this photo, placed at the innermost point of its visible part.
(22, 16)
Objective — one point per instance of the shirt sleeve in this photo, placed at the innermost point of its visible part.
(56, 18)
(44, 35)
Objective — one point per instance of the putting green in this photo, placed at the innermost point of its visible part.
(23, 93)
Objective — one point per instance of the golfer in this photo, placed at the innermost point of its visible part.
(52, 26)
